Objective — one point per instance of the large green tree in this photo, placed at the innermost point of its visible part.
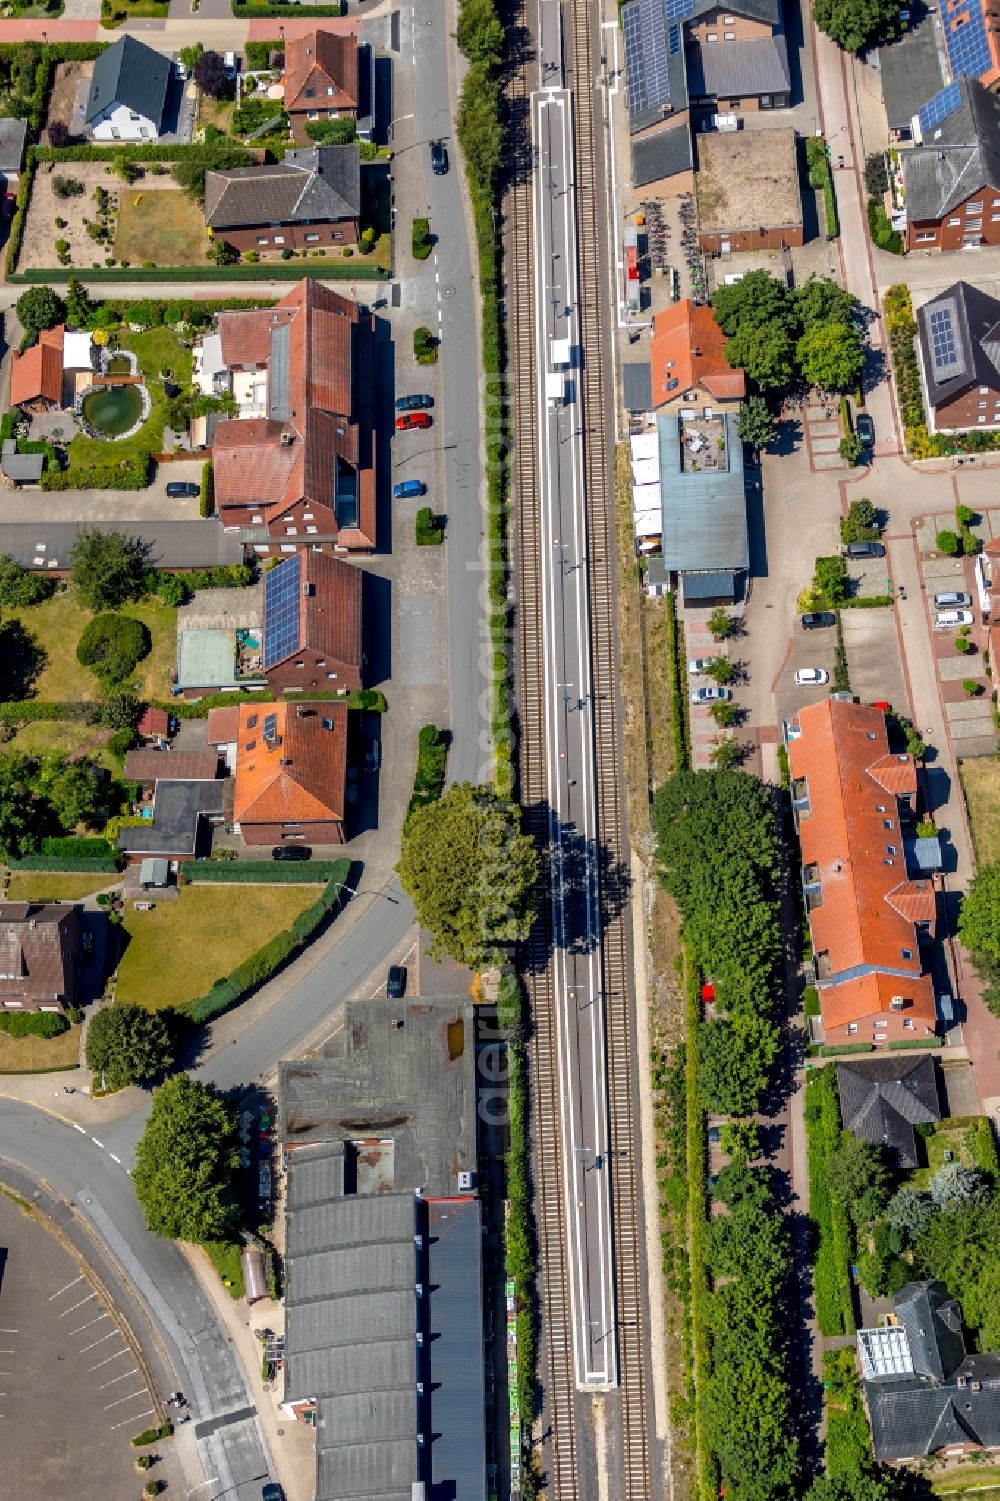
(478, 124)
(128, 1045)
(37, 309)
(822, 300)
(22, 821)
(831, 356)
(470, 873)
(75, 791)
(855, 24)
(480, 33)
(755, 425)
(20, 586)
(735, 1058)
(758, 299)
(858, 1178)
(960, 1248)
(186, 1163)
(109, 569)
(869, 1483)
(766, 352)
(979, 917)
(78, 304)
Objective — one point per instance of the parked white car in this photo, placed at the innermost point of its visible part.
(955, 599)
(711, 695)
(700, 664)
(947, 620)
(808, 677)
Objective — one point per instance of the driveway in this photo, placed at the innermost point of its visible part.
(874, 661)
(151, 504)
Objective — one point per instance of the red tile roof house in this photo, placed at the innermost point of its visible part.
(688, 359)
(313, 198)
(867, 919)
(312, 624)
(291, 773)
(321, 79)
(39, 949)
(36, 376)
(303, 472)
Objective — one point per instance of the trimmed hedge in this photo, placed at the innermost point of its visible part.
(844, 1047)
(33, 1023)
(133, 474)
(53, 862)
(820, 176)
(262, 965)
(432, 764)
(678, 687)
(866, 602)
(831, 1225)
(206, 497)
(261, 872)
(274, 271)
(907, 1045)
(256, 8)
(30, 710)
(79, 849)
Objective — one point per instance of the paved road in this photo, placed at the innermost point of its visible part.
(207, 1369)
(571, 770)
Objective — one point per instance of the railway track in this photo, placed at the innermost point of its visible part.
(630, 1443)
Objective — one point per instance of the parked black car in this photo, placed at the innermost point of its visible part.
(177, 488)
(395, 985)
(813, 619)
(439, 158)
(291, 852)
(865, 429)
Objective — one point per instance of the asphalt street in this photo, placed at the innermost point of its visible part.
(571, 770)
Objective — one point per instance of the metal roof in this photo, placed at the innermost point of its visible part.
(704, 513)
(637, 386)
(13, 133)
(24, 468)
(132, 74)
(758, 65)
(46, 545)
(911, 72)
(453, 1346)
(206, 659)
(707, 586)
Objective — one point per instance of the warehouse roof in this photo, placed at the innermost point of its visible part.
(758, 65)
(174, 544)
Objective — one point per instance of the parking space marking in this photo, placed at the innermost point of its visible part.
(87, 1325)
(98, 1143)
(131, 1396)
(75, 1306)
(78, 1128)
(65, 1289)
(116, 1356)
(135, 1418)
(99, 1341)
(132, 1372)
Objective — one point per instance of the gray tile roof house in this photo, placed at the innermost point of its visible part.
(13, 134)
(961, 156)
(131, 75)
(944, 1398)
(321, 183)
(969, 355)
(882, 1099)
(375, 1133)
(756, 66)
(912, 73)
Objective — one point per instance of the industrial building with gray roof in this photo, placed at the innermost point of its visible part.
(383, 1304)
(704, 509)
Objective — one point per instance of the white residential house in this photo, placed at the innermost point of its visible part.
(128, 93)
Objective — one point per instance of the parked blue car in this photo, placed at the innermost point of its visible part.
(416, 403)
(408, 487)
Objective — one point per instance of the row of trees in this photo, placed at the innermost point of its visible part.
(717, 846)
(979, 930)
(778, 336)
(45, 795)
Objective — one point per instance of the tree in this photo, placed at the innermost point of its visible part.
(341, 132)
(470, 873)
(766, 352)
(720, 623)
(479, 34)
(78, 304)
(740, 1140)
(821, 300)
(121, 710)
(735, 1056)
(478, 125)
(909, 1212)
(21, 820)
(854, 24)
(36, 309)
(850, 449)
(186, 1163)
(720, 670)
(190, 56)
(758, 299)
(189, 173)
(128, 1045)
(20, 586)
(857, 1177)
(112, 645)
(979, 915)
(726, 755)
(212, 76)
(954, 1185)
(738, 1182)
(959, 1248)
(869, 1483)
(74, 790)
(831, 356)
(755, 425)
(109, 568)
(862, 514)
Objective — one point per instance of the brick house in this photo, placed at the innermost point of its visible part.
(959, 349)
(322, 79)
(291, 773)
(313, 198)
(951, 181)
(688, 360)
(299, 468)
(867, 919)
(39, 950)
(36, 376)
(312, 624)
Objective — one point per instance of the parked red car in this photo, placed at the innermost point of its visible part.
(412, 419)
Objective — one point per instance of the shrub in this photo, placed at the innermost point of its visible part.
(971, 687)
(881, 230)
(850, 449)
(432, 761)
(424, 346)
(112, 645)
(429, 531)
(78, 849)
(420, 239)
(947, 542)
(67, 187)
(964, 645)
(206, 502)
(33, 1023)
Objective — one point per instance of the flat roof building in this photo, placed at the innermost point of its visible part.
(747, 186)
(703, 497)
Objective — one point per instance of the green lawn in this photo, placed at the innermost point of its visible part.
(41, 885)
(949, 1136)
(178, 951)
(967, 1480)
(981, 784)
(225, 1257)
(37, 1055)
(57, 625)
(157, 348)
(166, 226)
(67, 737)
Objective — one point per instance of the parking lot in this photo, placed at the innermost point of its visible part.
(71, 1392)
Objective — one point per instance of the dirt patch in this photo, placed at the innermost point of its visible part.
(66, 90)
(40, 231)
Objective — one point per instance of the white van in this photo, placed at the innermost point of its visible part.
(947, 620)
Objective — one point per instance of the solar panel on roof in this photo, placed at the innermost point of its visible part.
(673, 40)
(677, 10)
(967, 45)
(939, 108)
(282, 607)
(942, 331)
(646, 74)
(270, 726)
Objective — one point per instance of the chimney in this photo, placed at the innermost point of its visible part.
(287, 439)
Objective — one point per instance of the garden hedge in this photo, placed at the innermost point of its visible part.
(833, 1238)
(33, 1023)
(54, 862)
(244, 8)
(261, 872)
(130, 474)
(31, 710)
(79, 849)
(275, 271)
(908, 1044)
(266, 962)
